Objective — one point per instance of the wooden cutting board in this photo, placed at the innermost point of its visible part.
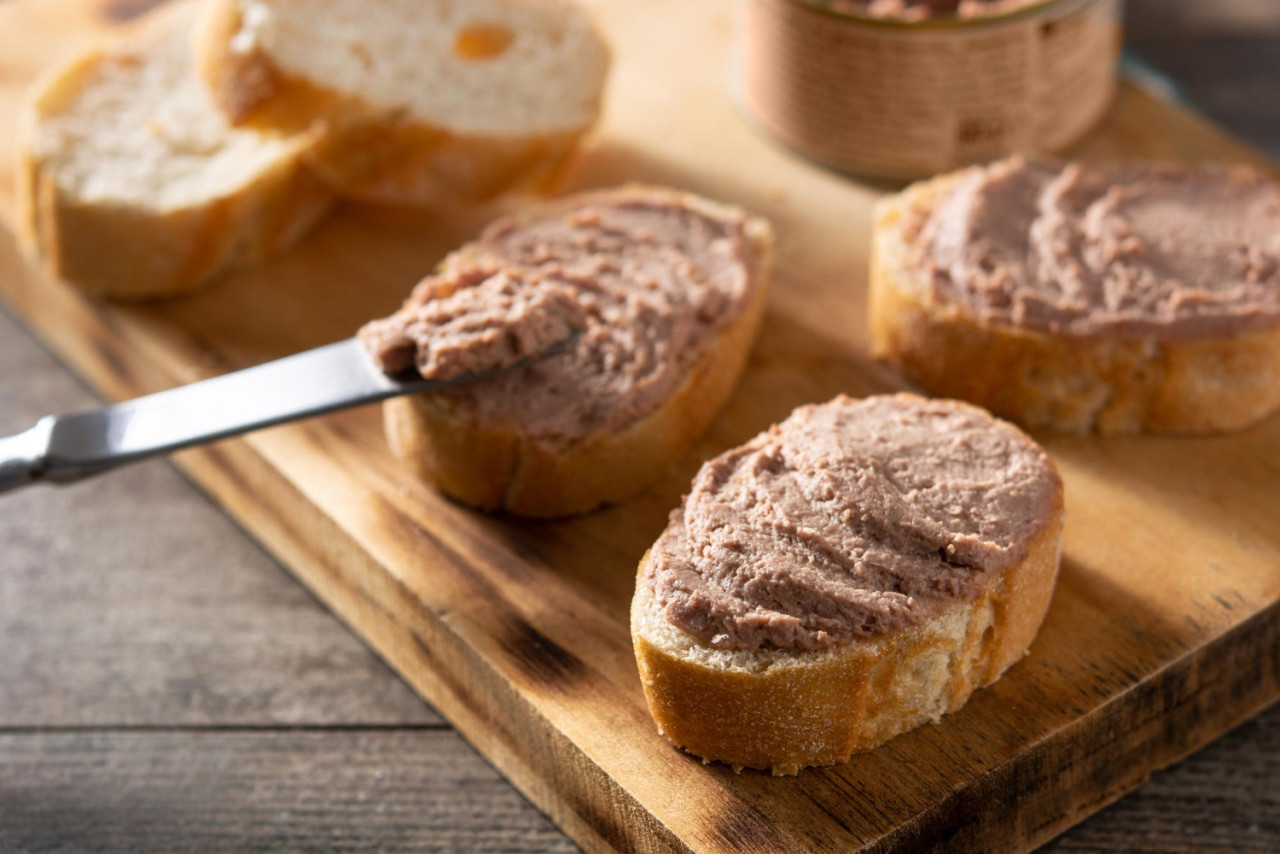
(1164, 631)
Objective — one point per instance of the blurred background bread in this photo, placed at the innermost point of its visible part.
(414, 101)
(133, 185)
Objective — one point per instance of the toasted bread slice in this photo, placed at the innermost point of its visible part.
(507, 462)
(786, 708)
(415, 101)
(132, 184)
(1107, 383)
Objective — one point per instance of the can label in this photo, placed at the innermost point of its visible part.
(912, 100)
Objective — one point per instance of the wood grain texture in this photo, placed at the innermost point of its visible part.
(192, 626)
(1223, 799)
(219, 791)
(1162, 635)
(133, 605)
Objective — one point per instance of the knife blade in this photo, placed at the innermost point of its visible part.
(66, 448)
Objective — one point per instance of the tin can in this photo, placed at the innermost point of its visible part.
(900, 100)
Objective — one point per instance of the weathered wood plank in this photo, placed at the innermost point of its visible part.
(132, 600)
(1225, 799)
(1223, 56)
(408, 790)
(216, 791)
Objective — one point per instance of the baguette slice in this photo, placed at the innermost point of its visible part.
(417, 101)
(1110, 384)
(783, 709)
(132, 185)
(444, 439)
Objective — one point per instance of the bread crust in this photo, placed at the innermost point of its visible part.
(1105, 384)
(362, 151)
(783, 710)
(496, 469)
(128, 252)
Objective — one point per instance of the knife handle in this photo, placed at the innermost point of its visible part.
(23, 456)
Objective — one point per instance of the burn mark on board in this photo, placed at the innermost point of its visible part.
(835, 816)
(397, 524)
(741, 827)
(542, 659)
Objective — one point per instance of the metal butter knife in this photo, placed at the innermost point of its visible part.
(66, 448)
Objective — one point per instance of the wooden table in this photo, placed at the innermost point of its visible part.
(165, 686)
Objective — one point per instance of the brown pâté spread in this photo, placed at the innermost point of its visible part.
(921, 10)
(470, 319)
(651, 279)
(850, 519)
(1169, 250)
